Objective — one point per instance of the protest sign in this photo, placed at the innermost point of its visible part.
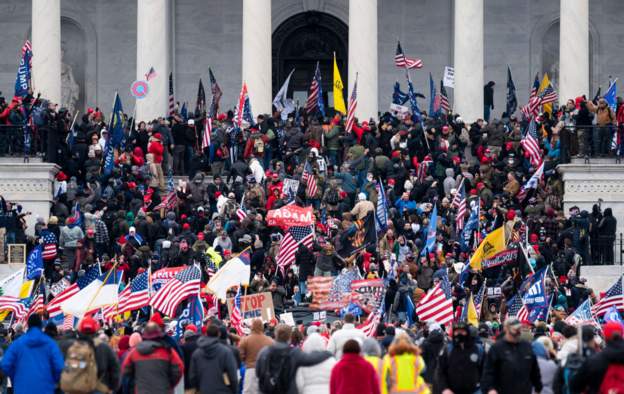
(503, 258)
(287, 318)
(449, 77)
(255, 305)
(290, 215)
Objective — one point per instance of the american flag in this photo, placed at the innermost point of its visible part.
(310, 179)
(530, 143)
(241, 214)
(136, 295)
(332, 292)
(183, 285)
(478, 299)
(295, 236)
(54, 306)
(531, 109)
(151, 74)
(582, 315)
(216, 94)
(240, 108)
(68, 323)
(402, 61)
(26, 47)
(207, 130)
(532, 183)
(315, 97)
(36, 306)
(459, 203)
(444, 101)
(517, 309)
(613, 297)
(169, 202)
(423, 168)
(13, 304)
(171, 96)
(369, 327)
(49, 245)
(236, 319)
(352, 107)
(437, 305)
(548, 95)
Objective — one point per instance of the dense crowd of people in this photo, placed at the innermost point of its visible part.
(130, 216)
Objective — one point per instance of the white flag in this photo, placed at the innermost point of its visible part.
(281, 102)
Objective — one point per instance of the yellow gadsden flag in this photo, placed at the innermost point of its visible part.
(545, 83)
(339, 103)
(471, 314)
(493, 244)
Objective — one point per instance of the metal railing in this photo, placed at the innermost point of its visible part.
(14, 144)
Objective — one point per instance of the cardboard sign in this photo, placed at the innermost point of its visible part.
(17, 254)
(287, 318)
(254, 306)
(449, 77)
(290, 215)
(290, 187)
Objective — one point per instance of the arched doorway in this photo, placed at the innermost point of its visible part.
(301, 41)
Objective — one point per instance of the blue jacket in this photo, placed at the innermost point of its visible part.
(34, 363)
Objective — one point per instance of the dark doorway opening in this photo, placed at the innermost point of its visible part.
(300, 42)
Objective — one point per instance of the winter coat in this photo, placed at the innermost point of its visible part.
(34, 363)
(154, 366)
(211, 363)
(353, 374)
(70, 236)
(595, 367)
(315, 380)
(188, 348)
(511, 368)
(340, 337)
(156, 148)
(604, 116)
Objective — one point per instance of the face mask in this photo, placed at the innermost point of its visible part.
(460, 338)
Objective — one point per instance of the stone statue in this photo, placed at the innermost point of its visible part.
(70, 90)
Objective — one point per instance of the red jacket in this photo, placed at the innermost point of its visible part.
(156, 148)
(354, 375)
(153, 367)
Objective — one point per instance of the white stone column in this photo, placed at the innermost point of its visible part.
(363, 57)
(257, 54)
(573, 49)
(46, 43)
(468, 60)
(153, 50)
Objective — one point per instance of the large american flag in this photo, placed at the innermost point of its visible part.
(207, 130)
(183, 285)
(531, 109)
(54, 306)
(517, 309)
(171, 97)
(49, 245)
(216, 91)
(444, 101)
(13, 304)
(310, 179)
(315, 93)
(136, 295)
(295, 236)
(613, 297)
(352, 107)
(548, 95)
(459, 203)
(36, 306)
(402, 61)
(530, 143)
(369, 327)
(437, 305)
(236, 319)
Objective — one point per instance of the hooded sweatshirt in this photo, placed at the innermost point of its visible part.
(213, 368)
(154, 366)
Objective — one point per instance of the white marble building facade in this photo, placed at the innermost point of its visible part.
(104, 45)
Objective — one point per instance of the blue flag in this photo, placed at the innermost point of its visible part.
(431, 231)
(412, 98)
(319, 98)
(192, 314)
(184, 112)
(471, 226)
(398, 97)
(116, 127)
(512, 100)
(432, 95)
(22, 80)
(381, 214)
(34, 263)
(610, 95)
(534, 290)
(109, 159)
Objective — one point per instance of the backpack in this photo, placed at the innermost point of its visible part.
(276, 376)
(80, 373)
(613, 381)
(573, 364)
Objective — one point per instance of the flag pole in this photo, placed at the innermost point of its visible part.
(101, 286)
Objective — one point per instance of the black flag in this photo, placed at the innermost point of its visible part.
(200, 107)
(512, 101)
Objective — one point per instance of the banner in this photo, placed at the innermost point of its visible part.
(58, 287)
(449, 77)
(193, 313)
(503, 258)
(290, 188)
(290, 215)
(22, 80)
(255, 305)
(163, 275)
(367, 293)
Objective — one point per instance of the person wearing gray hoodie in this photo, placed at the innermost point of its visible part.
(213, 366)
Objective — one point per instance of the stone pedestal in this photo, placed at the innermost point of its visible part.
(363, 59)
(573, 49)
(46, 44)
(257, 54)
(585, 184)
(468, 60)
(28, 184)
(153, 50)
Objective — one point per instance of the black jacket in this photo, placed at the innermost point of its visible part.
(297, 358)
(469, 360)
(592, 372)
(511, 368)
(188, 348)
(211, 363)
